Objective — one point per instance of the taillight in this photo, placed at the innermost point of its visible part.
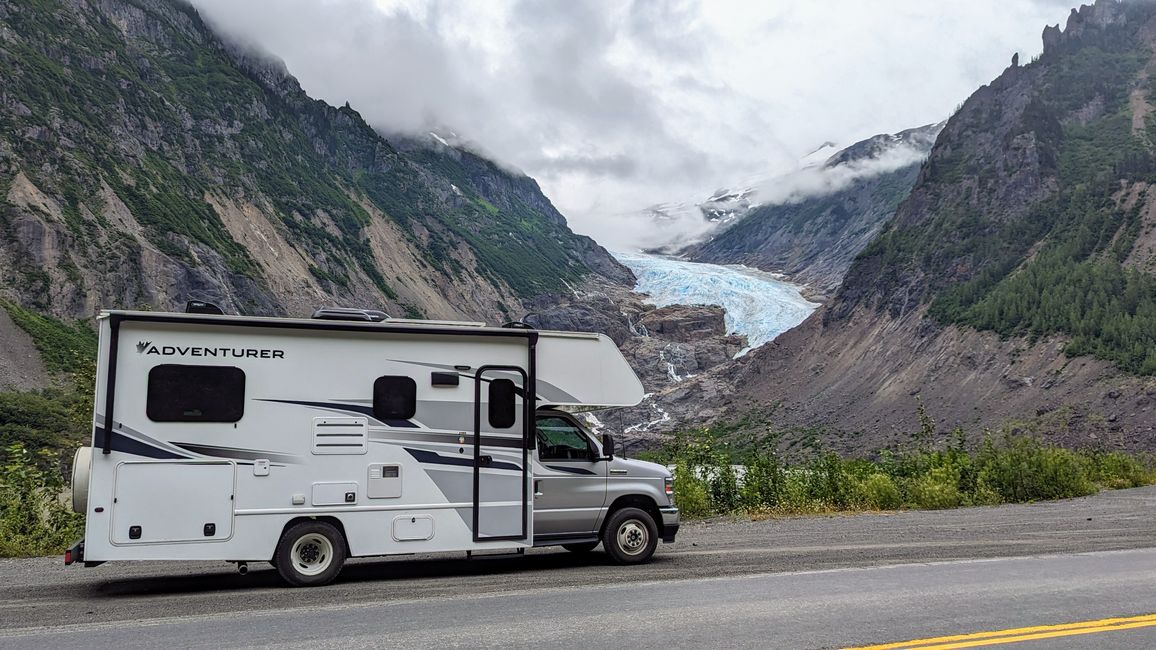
(68, 556)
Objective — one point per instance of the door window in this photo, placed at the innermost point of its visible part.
(503, 408)
(560, 439)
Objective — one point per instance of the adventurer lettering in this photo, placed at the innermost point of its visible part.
(146, 347)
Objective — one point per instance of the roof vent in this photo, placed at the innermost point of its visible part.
(202, 307)
(517, 325)
(343, 313)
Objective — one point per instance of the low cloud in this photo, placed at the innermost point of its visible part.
(670, 227)
(613, 105)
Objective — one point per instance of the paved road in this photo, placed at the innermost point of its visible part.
(806, 582)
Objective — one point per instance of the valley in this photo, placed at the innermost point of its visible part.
(829, 301)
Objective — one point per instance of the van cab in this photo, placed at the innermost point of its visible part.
(584, 494)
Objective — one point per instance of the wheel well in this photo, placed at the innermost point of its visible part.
(329, 520)
(639, 501)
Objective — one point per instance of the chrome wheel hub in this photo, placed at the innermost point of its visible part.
(633, 537)
(312, 554)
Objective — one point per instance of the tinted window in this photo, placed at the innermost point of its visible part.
(560, 439)
(503, 408)
(179, 393)
(394, 398)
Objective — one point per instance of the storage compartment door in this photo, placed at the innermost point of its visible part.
(180, 501)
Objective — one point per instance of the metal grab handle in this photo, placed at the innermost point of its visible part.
(537, 488)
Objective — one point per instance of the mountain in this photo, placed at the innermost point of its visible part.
(1015, 281)
(813, 236)
(808, 224)
(145, 161)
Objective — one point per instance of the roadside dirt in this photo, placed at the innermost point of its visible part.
(43, 592)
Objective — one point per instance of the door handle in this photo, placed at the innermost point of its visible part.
(484, 461)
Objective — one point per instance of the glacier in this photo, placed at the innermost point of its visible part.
(759, 305)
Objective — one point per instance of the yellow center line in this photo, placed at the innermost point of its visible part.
(1015, 635)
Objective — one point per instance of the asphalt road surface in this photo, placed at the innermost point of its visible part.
(1072, 574)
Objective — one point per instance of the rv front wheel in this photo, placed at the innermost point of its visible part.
(630, 536)
(310, 554)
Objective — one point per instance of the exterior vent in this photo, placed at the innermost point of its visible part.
(202, 307)
(342, 313)
(340, 436)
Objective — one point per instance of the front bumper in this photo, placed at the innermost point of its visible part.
(670, 523)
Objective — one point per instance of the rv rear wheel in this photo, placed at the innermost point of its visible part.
(310, 554)
(630, 536)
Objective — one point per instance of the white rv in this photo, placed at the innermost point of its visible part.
(303, 442)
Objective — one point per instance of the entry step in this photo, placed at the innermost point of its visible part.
(489, 555)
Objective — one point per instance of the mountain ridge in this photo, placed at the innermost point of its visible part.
(146, 161)
(999, 290)
(814, 238)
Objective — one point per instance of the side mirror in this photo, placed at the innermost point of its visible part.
(608, 445)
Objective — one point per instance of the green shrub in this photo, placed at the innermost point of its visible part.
(1026, 470)
(877, 492)
(1115, 470)
(1017, 469)
(33, 520)
(935, 490)
(690, 493)
(763, 482)
(827, 482)
(723, 485)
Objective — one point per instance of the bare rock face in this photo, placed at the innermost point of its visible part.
(685, 323)
(592, 311)
(681, 353)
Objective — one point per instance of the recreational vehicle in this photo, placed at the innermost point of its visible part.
(304, 442)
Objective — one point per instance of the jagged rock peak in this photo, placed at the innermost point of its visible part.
(1087, 18)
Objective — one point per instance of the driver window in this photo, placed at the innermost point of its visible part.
(559, 439)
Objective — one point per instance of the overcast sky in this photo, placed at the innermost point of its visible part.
(615, 105)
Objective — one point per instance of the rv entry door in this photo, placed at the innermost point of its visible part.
(502, 423)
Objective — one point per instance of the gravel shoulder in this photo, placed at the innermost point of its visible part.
(42, 592)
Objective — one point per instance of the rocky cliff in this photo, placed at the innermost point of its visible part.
(1015, 281)
(676, 351)
(144, 161)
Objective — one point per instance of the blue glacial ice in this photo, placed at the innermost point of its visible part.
(757, 304)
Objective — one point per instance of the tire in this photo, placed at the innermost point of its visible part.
(310, 554)
(81, 470)
(584, 547)
(630, 536)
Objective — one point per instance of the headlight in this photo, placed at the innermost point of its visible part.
(669, 484)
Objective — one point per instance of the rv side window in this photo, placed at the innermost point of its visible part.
(178, 393)
(394, 398)
(503, 410)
